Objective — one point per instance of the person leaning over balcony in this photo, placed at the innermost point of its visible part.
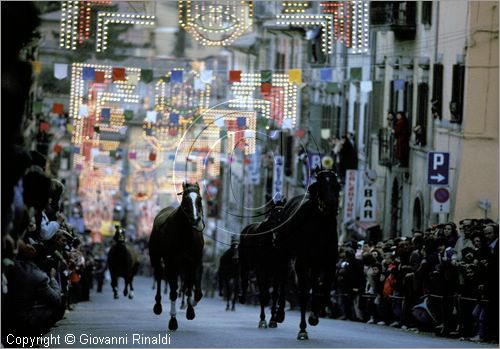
(401, 132)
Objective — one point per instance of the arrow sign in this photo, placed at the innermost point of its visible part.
(438, 168)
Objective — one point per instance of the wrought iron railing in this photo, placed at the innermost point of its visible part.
(386, 147)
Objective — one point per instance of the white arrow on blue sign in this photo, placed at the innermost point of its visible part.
(438, 168)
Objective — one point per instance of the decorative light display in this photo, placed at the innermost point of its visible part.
(104, 19)
(278, 104)
(139, 156)
(323, 20)
(360, 23)
(76, 17)
(215, 23)
(295, 6)
(341, 11)
(141, 185)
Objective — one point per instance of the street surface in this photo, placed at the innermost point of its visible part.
(105, 317)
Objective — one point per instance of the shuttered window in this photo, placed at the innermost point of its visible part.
(437, 91)
(427, 12)
(422, 100)
(457, 94)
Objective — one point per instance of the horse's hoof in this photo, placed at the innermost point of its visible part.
(125, 293)
(182, 307)
(273, 324)
(232, 308)
(280, 316)
(172, 324)
(115, 296)
(157, 309)
(190, 313)
(198, 295)
(242, 299)
(262, 324)
(313, 320)
(302, 335)
(131, 295)
(227, 308)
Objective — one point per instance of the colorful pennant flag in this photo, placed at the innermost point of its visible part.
(60, 71)
(241, 121)
(222, 134)
(326, 74)
(219, 121)
(332, 87)
(366, 86)
(235, 75)
(356, 74)
(118, 74)
(88, 74)
(265, 87)
(152, 156)
(176, 76)
(43, 126)
(129, 114)
(146, 75)
(300, 133)
(58, 108)
(37, 107)
(172, 131)
(99, 77)
(262, 122)
(266, 76)
(206, 76)
(76, 150)
(295, 76)
(325, 133)
(399, 85)
(84, 110)
(132, 155)
(105, 114)
(174, 118)
(133, 79)
(286, 124)
(151, 115)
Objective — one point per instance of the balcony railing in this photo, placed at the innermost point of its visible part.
(398, 16)
(386, 147)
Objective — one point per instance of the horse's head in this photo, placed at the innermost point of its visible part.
(191, 205)
(326, 193)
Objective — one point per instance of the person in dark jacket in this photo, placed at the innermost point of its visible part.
(402, 135)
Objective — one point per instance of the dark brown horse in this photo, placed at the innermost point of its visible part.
(228, 275)
(309, 236)
(258, 252)
(177, 240)
(122, 262)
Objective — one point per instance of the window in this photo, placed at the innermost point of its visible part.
(426, 12)
(421, 126)
(457, 93)
(437, 91)
(408, 101)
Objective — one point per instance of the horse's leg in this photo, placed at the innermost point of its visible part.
(303, 298)
(281, 276)
(158, 269)
(114, 285)
(125, 290)
(198, 293)
(316, 301)
(244, 281)
(131, 293)
(272, 322)
(235, 292)
(172, 283)
(263, 297)
(188, 288)
(227, 294)
(182, 291)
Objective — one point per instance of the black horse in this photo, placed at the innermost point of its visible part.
(177, 239)
(122, 262)
(258, 252)
(228, 276)
(309, 236)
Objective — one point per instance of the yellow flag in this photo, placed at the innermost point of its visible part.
(295, 76)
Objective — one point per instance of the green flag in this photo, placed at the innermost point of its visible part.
(97, 129)
(266, 76)
(37, 107)
(146, 75)
(262, 122)
(222, 134)
(112, 153)
(356, 74)
(332, 87)
(129, 114)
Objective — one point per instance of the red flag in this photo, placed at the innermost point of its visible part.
(99, 77)
(300, 133)
(44, 126)
(118, 74)
(235, 75)
(265, 87)
(152, 156)
(172, 131)
(58, 108)
(57, 148)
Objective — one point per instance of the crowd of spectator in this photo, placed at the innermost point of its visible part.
(443, 279)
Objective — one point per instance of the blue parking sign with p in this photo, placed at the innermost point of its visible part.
(438, 168)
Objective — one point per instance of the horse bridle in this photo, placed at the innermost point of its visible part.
(192, 190)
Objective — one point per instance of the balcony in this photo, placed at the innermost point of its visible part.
(386, 147)
(397, 16)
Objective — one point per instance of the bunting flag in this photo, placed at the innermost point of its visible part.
(235, 75)
(129, 114)
(286, 124)
(37, 67)
(174, 118)
(118, 74)
(151, 115)
(265, 87)
(241, 122)
(146, 75)
(266, 76)
(78, 167)
(300, 133)
(325, 133)
(206, 76)
(222, 134)
(60, 71)
(94, 152)
(295, 76)
(152, 156)
(97, 129)
(58, 108)
(112, 153)
(356, 74)
(69, 128)
(84, 110)
(105, 114)
(99, 77)
(172, 131)
(366, 86)
(165, 79)
(198, 84)
(332, 87)
(88, 74)
(132, 155)
(133, 79)
(43, 126)
(57, 148)
(262, 122)
(326, 74)
(219, 121)
(76, 150)
(176, 76)
(399, 85)
(248, 133)
(37, 107)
